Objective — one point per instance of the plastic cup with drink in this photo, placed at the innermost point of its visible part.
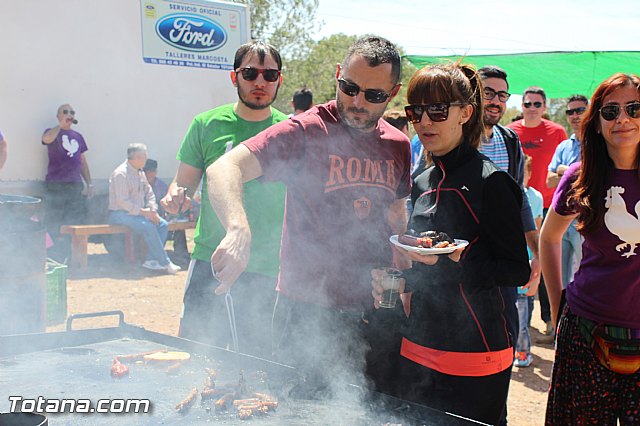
(390, 284)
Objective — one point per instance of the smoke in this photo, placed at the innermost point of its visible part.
(22, 250)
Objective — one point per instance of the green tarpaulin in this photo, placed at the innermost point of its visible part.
(560, 74)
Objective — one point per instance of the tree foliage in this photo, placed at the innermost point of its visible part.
(315, 70)
(286, 24)
(556, 111)
(510, 115)
(408, 69)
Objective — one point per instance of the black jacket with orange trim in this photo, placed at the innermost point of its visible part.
(458, 306)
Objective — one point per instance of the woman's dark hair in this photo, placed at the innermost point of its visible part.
(451, 82)
(589, 189)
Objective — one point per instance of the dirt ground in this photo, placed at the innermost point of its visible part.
(154, 302)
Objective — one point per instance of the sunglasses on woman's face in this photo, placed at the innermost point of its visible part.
(250, 74)
(373, 96)
(68, 111)
(611, 112)
(535, 104)
(437, 111)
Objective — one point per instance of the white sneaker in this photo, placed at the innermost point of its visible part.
(172, 268)
(153, 265)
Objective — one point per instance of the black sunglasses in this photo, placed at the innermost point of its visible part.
(371, 95)
(68, 111)
(579, 110)
(250, 74)
(535, 104)
(489, 94)
(437, 111)
(611, 112)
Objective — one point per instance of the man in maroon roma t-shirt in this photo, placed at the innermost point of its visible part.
(347, 177)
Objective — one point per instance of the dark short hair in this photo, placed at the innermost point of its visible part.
(150, 165)
(302, 99)
(493, 71)
(578, 98)
(536, 91)
(376, 51)
(259, 48)
(396, 118)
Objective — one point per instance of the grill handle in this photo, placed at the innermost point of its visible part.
(73, 317)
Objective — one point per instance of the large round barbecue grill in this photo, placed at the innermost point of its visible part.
(76, 364)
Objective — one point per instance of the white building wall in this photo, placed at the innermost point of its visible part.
(89, 53)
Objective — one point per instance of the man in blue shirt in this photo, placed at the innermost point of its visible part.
(567, 153)
(502, 146)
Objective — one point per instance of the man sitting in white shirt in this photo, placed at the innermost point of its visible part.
(132, 204)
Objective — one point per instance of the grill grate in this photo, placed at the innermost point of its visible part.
(83, 372)
(33, 365)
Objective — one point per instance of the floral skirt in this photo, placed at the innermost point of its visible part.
(583, 391)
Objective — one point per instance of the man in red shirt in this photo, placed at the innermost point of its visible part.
(539, 138)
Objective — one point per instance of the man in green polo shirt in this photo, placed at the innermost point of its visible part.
(257, 77)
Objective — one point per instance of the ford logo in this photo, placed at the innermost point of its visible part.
(191, 32)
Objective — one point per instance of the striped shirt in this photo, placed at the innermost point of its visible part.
(130, 191)
(496, 150)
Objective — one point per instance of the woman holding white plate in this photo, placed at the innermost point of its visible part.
(456, 352)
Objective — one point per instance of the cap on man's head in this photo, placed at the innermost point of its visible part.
(150, 165)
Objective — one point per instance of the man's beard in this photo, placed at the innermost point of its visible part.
(358, 125)
(255, 106)
(491, 121)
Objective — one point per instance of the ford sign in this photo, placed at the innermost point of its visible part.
(191, 32)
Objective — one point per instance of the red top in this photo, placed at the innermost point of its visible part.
(340, 184)
(540, 143)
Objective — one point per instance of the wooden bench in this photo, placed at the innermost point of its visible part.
(80, 239)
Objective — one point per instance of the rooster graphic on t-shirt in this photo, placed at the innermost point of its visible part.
(71, 146)
(620, 222)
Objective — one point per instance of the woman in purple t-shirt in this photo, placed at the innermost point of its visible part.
(597, 366)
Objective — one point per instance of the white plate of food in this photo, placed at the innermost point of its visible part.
(433, 250)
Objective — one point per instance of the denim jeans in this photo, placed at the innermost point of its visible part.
(571, 252)
(154, 235)
(524, 314)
